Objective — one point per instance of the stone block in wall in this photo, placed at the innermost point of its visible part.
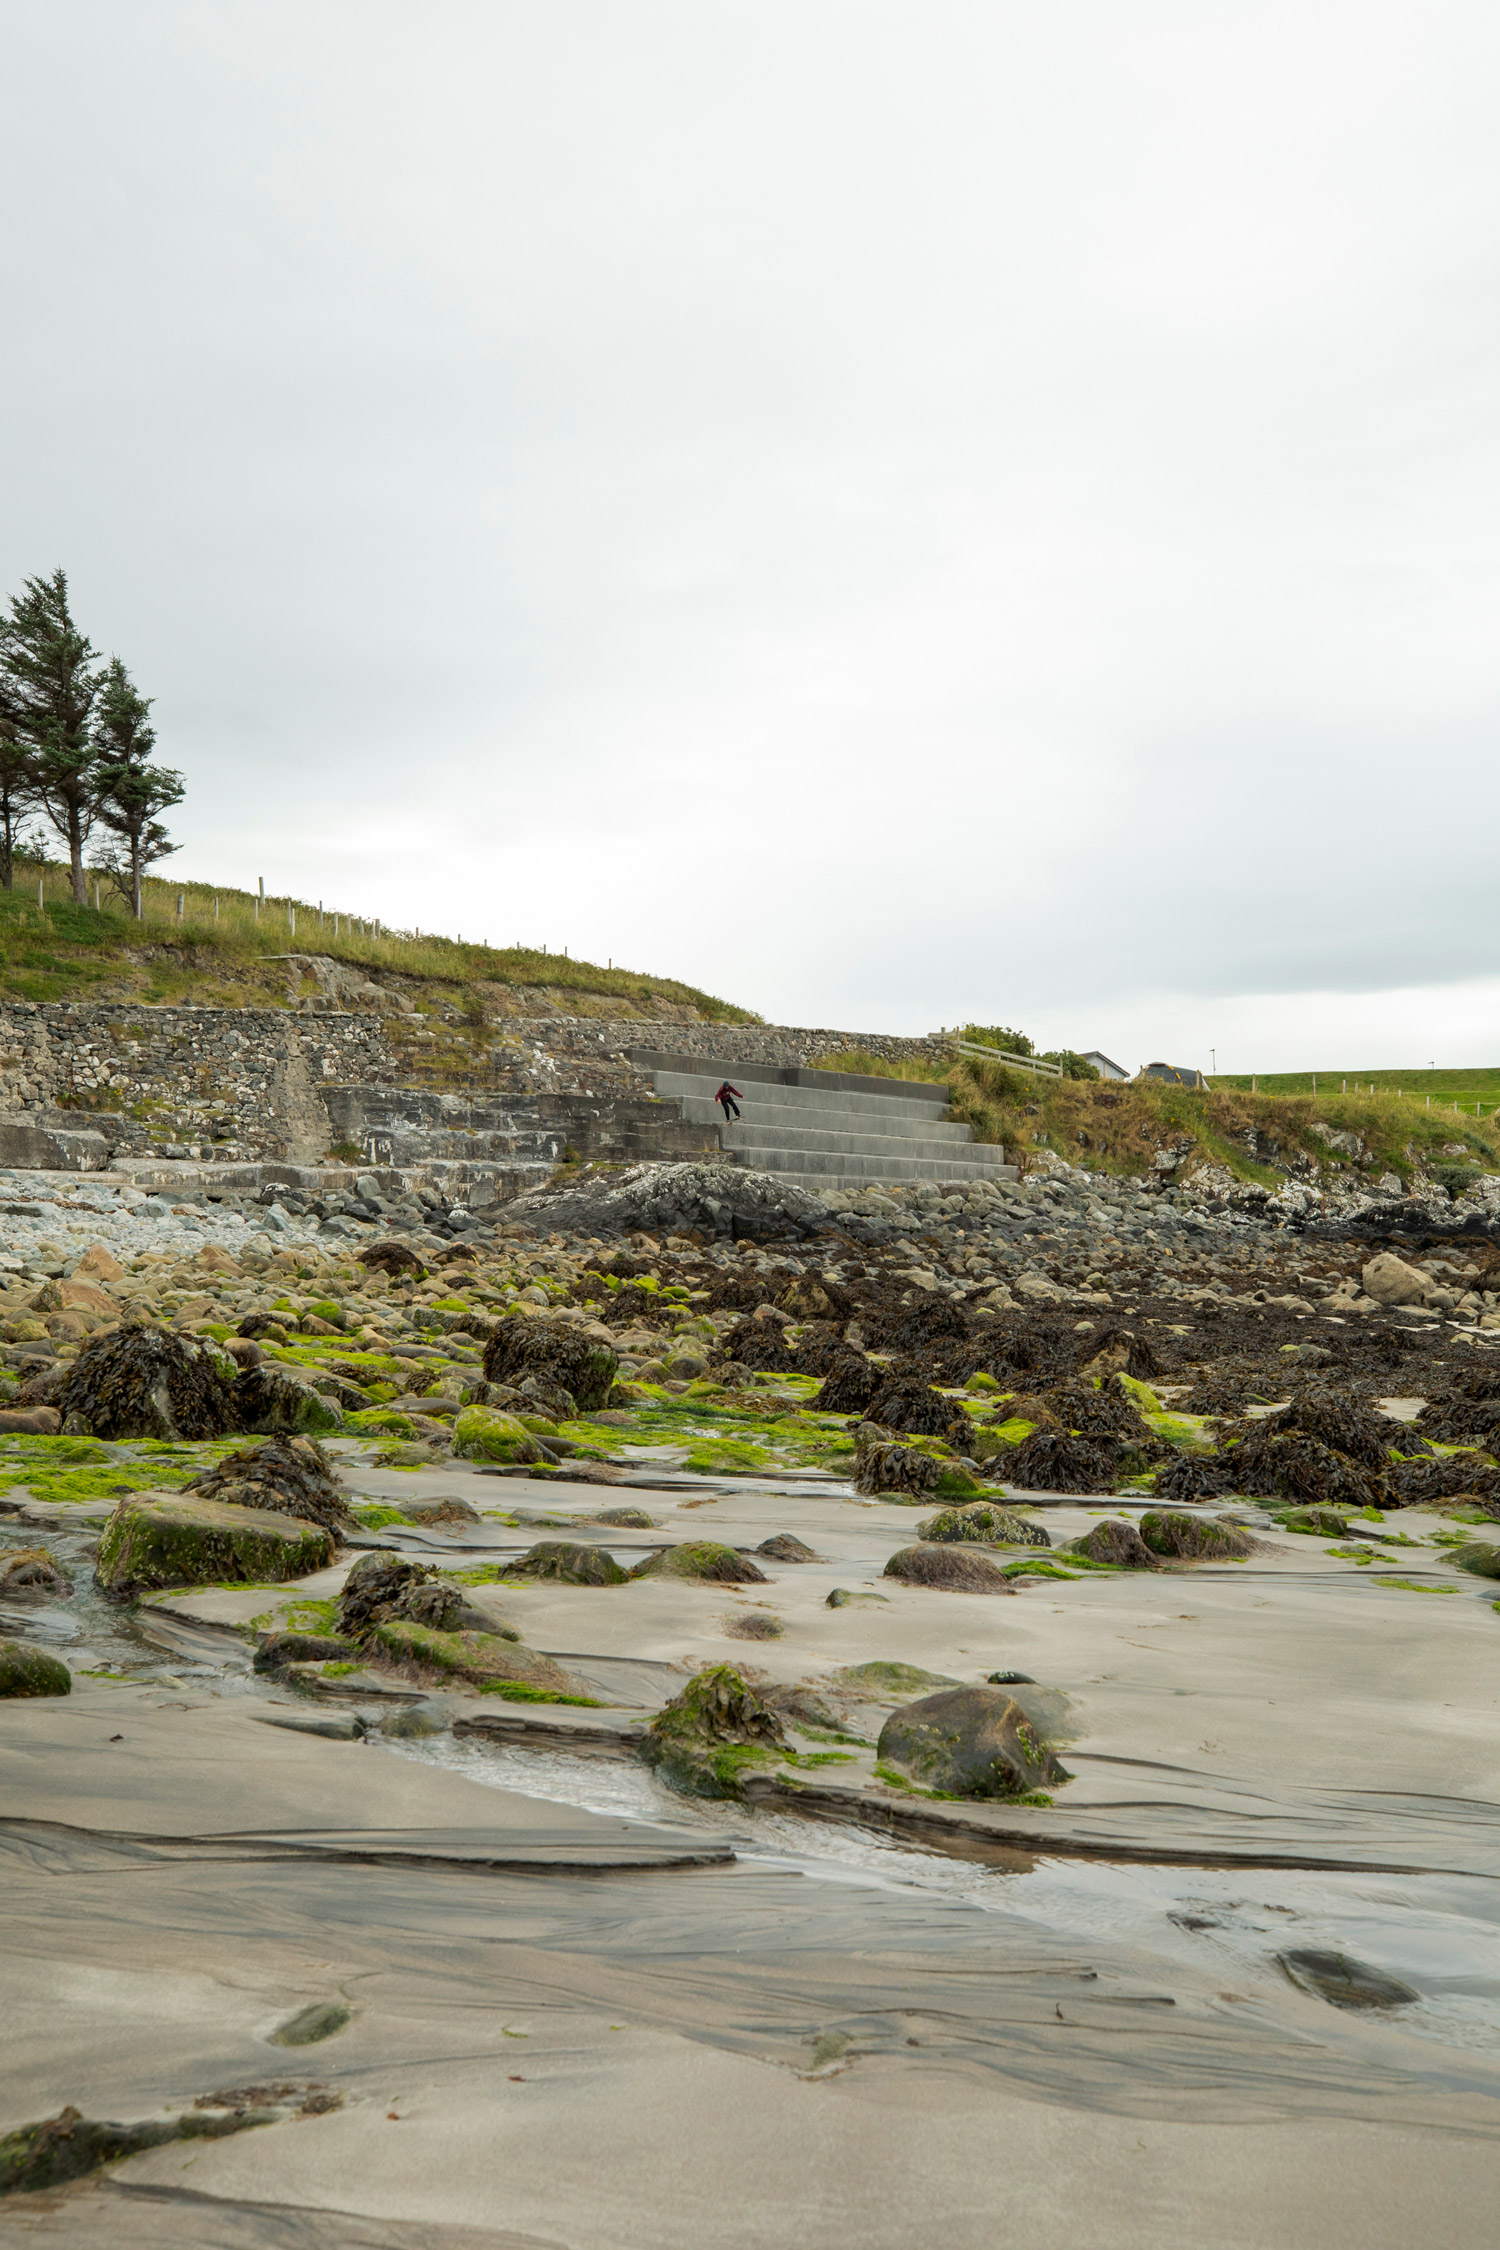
(25, 1147)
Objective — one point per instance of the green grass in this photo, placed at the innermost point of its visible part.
(223, 951)
(1442, 1087)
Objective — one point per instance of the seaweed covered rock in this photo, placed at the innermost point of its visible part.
(707, 1738)
(483, 1433)
(393, 1258)
(289, 1476)
(849, 1385)
(1118, 1543)
(1299, 1467)
(1481, 1557)
(568, 1563)
(705, 1559)
(958, 1570)
(895, 1470)
(821, 1348)
(157, 1539)
(1451, 1476)
(273, 1401)
(1102, 1412)
(928, 1325)
(1056, 1461)
(32, 1574)
(1119, 1351)
(1319, 1523)
(544, 1397)
(784, 1546)
(25, 1670)
(1193, 1538)
(626, 1519)
(555, 1353)
(495, 1662)
(757, 1344)
(274, 1651)
(914, 1409)
(383, 1586)
(982, 1523)
(969, 1742)
(1341, 1420)
(1193, 1476)
(145, 1382)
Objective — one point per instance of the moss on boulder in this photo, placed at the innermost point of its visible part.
(485, 1660)
(983, 1524)
(482, 1433)
(32, 1671)
(968, 1742)
(705, 1559)
(708, 1737)
(157, 1539)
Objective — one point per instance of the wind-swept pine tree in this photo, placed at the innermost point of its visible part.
(18, 799)
(53, 679)
(130, 791)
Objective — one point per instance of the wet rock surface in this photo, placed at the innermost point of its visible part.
(969, 1742)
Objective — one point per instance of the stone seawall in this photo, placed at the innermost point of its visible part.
(84, 1083)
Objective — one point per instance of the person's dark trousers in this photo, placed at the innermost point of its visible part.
(730, 1108)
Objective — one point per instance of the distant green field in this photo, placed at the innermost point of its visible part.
(1442, 1087)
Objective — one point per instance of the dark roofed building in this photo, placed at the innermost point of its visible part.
(1170, 1075)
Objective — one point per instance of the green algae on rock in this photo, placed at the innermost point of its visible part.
(157, 1539)
(969, 1742)
(488, 1661)
(707, 1738)
(482, 1433)
(25, 1670)
(985, 1524)
(705, 1559)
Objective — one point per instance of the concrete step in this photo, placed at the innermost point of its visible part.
(775, 1117)
(750, 1136)
(829, 1129)
(813, 1170)
(805, 1100)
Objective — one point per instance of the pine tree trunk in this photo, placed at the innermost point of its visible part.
(135, 875)
(75, 856)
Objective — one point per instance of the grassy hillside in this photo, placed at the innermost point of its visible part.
(1440, 1088)
(1261, 1136)
(228, 949)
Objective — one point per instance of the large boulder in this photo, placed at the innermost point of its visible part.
(157, 1539)
(1481, 1557)
(707, 1738)
(718, 1199)
(1391, 1281)
(882, 1466)
(31, 1671)
(145, 1382)
(969, 1742)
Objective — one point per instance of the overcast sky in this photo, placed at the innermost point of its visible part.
(897, 514)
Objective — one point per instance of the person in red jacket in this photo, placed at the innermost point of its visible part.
(726, 1101)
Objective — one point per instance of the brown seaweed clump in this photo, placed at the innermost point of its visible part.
(146, 1382)
(524, 1346)
(916, 1410)
(849, 1384)
(1056, 1461)
(960, 1570)
(290, 1476)
(1299, 1467)
(758, 1344)
(1341, 1420)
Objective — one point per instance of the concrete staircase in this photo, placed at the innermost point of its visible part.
(826, 1128)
